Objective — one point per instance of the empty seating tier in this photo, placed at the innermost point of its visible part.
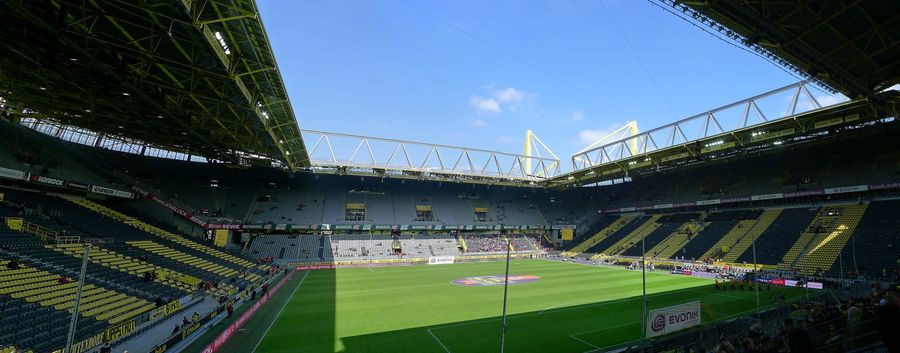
(825, 248)
(609, 229)
(646, 228)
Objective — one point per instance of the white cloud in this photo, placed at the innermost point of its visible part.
(478, 123)
(826, 100)
(505, 139)
(489, 105)
(576, 116)
(497, 101)
(587, 137)
(573, 118)
(509, 94)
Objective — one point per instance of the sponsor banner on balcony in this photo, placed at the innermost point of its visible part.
(563, 226)
(709, 202)
(767, 197)
(172, 207)
(110, 192)
(846, 189)
(102, 190)
(803, 193)
(223, 226)
(47, 180)
(884, 186)
(13, 174)
(79, 186)
(265, 226)
(673, 318)
(736, 199)
(665, 205)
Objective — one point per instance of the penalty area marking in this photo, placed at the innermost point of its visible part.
(574, 335)
(583, 341)
(279, 312)
(558, 309)
(438, 340)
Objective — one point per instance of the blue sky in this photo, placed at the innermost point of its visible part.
(479, 73)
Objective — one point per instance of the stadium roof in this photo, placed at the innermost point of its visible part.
(850, 46)
(639, 155)
(197, 77)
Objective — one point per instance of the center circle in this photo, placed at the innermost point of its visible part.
(494, 280)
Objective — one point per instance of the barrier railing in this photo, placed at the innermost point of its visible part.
(45, 234)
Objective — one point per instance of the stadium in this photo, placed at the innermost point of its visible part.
(158, 194)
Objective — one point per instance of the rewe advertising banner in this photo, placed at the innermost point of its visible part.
(673, 318)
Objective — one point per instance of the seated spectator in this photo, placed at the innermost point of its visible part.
(13, 264)
(889, 319)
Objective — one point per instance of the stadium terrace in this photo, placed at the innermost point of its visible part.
(157, 194)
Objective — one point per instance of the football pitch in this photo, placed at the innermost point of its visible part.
(556, 307)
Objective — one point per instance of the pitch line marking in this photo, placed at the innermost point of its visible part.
(438, 340)
(555, 310)
(605, 328)
(279, 313)
(594, 302)
(583, 341)
(586, 301)
(573, 336)
(630, 342)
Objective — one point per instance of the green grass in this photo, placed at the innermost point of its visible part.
(572, 308)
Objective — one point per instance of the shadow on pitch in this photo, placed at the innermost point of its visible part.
(577, 328)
